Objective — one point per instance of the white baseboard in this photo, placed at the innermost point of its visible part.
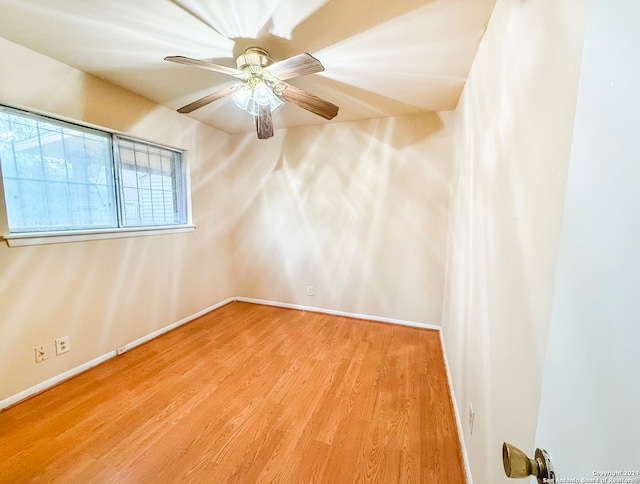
(55, 380)
(456, 411)
(7, 402)
(338, 313)
(168, 328)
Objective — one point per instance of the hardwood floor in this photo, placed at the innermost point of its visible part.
(245, 394)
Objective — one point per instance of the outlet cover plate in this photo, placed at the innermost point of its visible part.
(62, 345)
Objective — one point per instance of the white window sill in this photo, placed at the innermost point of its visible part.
(41, 238)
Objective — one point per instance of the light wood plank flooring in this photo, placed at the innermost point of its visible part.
(247, 393)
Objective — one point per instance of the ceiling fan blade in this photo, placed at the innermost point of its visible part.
(298, 65)
(188, 61)
(310, 102)
(264, 123)
(208, 99)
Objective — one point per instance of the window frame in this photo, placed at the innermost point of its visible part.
(17, 239)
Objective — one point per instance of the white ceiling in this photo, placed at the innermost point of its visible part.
(382, 57)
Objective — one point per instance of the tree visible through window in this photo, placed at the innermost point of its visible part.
(58, 177)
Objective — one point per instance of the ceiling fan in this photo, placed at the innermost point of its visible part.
(262, 89)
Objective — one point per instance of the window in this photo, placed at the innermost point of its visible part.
(60, 177)
(150, 184)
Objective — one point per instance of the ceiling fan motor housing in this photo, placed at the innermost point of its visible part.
(253, 56)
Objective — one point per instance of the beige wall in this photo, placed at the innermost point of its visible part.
(358, 210)
(105, 293)
(512, 143)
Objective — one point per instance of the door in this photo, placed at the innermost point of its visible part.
(589, 419)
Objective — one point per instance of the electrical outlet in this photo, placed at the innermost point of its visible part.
(472, 416)
(42, 353)
(62, 345)
(310, 291)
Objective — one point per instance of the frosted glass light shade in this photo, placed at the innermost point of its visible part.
(242, 97)
(262, 94)
(250, 100)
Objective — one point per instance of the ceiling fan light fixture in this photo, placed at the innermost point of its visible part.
(249, 97)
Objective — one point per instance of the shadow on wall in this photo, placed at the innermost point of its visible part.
(97, 105)
(356, 209)
(43, 84)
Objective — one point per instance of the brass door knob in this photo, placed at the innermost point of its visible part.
(516, 464)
